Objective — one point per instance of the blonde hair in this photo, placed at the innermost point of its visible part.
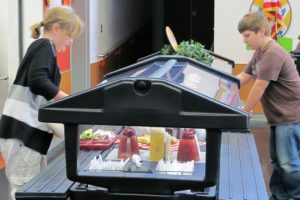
(62, 15)
(254, 21)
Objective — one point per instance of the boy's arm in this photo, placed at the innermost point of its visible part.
(256, 92)
(244, 78)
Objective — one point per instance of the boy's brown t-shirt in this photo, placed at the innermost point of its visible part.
(281, 100)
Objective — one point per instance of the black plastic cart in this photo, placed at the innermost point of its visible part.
(162, 91)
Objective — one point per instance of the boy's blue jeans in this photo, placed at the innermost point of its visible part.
(285, 156)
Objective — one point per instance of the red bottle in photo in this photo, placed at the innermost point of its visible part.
(188, 147)
(128, 144)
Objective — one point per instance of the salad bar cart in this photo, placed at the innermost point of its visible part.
(174, 101)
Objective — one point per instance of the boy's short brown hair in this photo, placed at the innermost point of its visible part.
(254, 21)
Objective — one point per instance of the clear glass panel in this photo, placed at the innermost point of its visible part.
(160, 150)
(191, 76)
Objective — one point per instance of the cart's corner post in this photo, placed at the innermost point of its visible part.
(71, 148)
(213, 148)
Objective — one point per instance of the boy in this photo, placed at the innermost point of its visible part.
(277, 86)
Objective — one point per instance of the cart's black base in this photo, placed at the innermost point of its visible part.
(81, 191)
(240, 178)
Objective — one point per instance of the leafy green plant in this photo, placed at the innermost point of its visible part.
(189, 49)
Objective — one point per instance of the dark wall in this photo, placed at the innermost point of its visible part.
(190, 19)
